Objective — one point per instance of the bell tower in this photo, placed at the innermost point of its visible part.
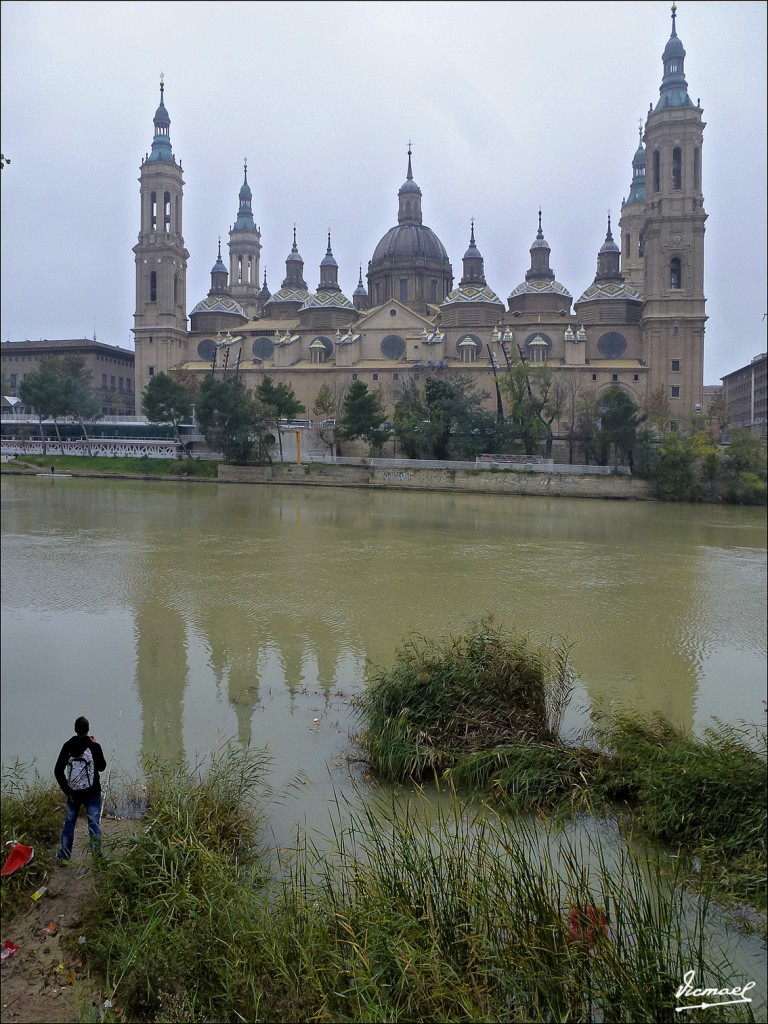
(673, 240)
(160, 320)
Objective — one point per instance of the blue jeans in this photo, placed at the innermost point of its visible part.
(93, 810)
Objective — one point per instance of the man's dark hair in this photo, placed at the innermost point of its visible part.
(82, 726)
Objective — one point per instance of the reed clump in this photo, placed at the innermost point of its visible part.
(705, 795)
(481, 711)
(442, 701)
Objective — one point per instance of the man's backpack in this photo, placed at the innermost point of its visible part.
(80, 771)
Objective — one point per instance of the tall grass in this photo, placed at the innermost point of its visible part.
(31, 811)
(407, 911)
(170, 896)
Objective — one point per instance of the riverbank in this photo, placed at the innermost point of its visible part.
(446, 480)
(410, 912)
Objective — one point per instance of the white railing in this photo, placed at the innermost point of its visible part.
(150, 448)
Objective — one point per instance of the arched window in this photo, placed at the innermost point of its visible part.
(167, 212)
(677, 168)
(656, 171)
(538, 347)
(250, 270)
(466, 342)
(153, 211)
(175, 289)
(627, 245)
(675, 273)
(697, 169)
(239, 269)
(153, 286)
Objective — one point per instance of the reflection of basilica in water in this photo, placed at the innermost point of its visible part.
(637, 326)
(279, 610)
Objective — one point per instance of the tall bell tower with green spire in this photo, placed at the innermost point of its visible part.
(160, 320)
(671, 240)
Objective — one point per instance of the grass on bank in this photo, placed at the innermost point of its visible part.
(482, 711)
(83, 465)
(31, 811)
(406, 912)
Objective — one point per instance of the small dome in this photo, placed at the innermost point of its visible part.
(469, 293)
(538, 287)
(611, 290)
(674, 47)
(162, 116)
(219, 304)
(290, 295)
(327, 300)
(609, 245)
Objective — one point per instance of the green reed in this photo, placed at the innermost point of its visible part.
(31, 811)
(411, 909)
(443, 700)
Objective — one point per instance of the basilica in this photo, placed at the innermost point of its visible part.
(639, 326)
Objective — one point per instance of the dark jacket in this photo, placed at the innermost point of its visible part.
(75, 747)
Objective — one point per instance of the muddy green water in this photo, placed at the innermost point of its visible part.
(179, 617)
(176, 616)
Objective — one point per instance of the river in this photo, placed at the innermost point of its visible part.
(177, 616)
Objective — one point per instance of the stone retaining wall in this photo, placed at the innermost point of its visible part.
(469, 481)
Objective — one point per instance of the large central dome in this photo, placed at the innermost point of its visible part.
(409, 240)
(410, 263)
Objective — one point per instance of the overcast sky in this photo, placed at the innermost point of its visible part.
(509, 106)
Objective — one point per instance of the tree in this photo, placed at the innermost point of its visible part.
(534, 404)
(410, 414)
(325, 408)
(656, 410)
(674, 469)
(325, 403)
(165, 400)
(617, 433)
(585, 427)
(283, 402)
(481, 431)
(233, 420)
(572, 387)
(451, 403)
(744, 472)
(79, 398)
(43, 389)
(362, 416)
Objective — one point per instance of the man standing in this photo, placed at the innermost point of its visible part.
(77, 773)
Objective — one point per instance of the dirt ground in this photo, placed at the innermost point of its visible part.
(44, 981)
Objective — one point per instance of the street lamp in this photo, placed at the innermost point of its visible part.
(225, 343)
(503, 335)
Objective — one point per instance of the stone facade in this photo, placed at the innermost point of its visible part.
(639, 326)
(112, 369)
(746, 396)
